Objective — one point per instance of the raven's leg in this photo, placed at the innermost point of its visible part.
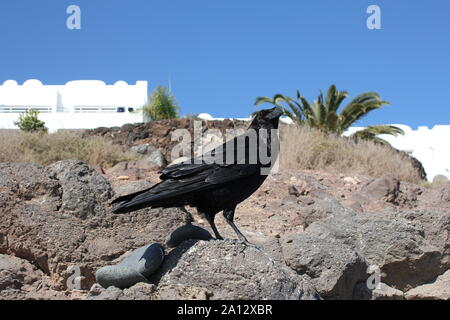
(229, 216)
(210, 219)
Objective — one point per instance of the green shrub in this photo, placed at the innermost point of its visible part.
(162, 105)
(29, 121)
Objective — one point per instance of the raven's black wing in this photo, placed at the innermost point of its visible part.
(187, 178)
(178, 191)
(239, 162)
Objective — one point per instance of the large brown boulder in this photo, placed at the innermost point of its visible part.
(406, 254)
(59, 216)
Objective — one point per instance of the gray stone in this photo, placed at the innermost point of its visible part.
(8, 280)
(16, 272)
(144, 260)
(151, 154)
(83, 188)
(386, 187)
(141, 149)
(155, 156)
(134, 268)
(186, 232)
(99, 293)
(230, 270)
(132, 187)
(335, 268)
(140, 291)
(118, 276)
(398, 247)
(437, 290)
(272, 248)
(436, 229)
(375, 194)
(95, 290)
(321, 209)
(27, 184)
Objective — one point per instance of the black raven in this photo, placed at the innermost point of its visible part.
(217, 180)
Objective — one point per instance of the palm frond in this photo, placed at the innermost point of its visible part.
(331, 98)
(296, 108)
(342, 95)
(296, 113)
(382, 129)
(356, 111)
(261, 100)
(372, 132)
(366, 96)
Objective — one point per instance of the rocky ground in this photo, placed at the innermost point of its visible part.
(318, 236)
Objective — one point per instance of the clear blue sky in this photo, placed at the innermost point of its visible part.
(222, 54)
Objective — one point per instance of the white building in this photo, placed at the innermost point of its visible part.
(83, 104)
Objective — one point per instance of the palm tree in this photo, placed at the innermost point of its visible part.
(162, 105)
(372, 132)
(323, 113)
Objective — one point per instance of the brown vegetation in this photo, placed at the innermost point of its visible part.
(306, 148)
(44, 149)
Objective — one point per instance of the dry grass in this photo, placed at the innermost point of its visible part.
(308, 149)
(9, 142)
(45, 148)
(301, 148)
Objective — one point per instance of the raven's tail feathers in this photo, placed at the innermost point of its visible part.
(129, 197)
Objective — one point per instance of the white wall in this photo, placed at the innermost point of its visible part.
(62, 102)
(96, 93)
(32, 93)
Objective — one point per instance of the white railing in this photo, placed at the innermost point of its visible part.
(17, 109)
(94, 109)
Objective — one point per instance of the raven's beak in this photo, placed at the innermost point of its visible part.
(275, 113)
